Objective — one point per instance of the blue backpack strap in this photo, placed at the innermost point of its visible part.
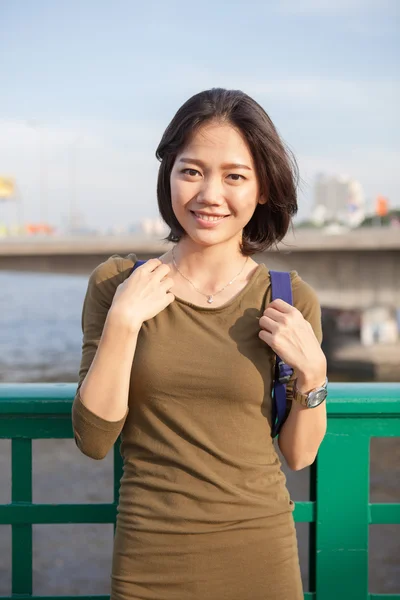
(281, 288)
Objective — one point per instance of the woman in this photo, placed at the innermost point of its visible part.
(178, 357)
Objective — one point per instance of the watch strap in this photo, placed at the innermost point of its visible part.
(302, 398)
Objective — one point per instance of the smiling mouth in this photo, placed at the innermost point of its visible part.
(208, 217)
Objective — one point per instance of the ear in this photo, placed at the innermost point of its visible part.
(262, 200)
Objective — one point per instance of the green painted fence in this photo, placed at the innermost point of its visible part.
(339, 512)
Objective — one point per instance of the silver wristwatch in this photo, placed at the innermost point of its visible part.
(313, 398)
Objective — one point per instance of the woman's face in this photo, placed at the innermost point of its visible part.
(214, 186)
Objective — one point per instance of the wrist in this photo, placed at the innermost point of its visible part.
(312, 374)
(305, 382)
(116, 323)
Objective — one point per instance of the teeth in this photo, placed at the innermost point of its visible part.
(208, 217)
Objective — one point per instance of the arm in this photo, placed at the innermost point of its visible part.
(296, 335)
(115, 306)
(304, 428)
(100, 406)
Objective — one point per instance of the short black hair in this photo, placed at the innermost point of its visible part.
(275, 164)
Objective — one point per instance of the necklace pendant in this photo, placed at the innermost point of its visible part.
(210, 299)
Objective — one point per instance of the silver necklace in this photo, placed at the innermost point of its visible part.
(210, 297)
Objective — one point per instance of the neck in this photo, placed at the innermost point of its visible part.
(208, 266)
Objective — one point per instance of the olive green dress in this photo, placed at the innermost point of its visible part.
(204, 512)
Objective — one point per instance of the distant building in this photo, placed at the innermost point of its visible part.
(379, 325)
(338, 199)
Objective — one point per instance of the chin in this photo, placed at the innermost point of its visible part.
(210, 238)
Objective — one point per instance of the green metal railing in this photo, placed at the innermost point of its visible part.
(339, 511)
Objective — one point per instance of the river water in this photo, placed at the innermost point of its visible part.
(40, 326)
(40, 341)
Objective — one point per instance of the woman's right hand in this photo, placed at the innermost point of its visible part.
(144, 294)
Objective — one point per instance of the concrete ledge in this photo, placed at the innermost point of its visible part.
(306, 240)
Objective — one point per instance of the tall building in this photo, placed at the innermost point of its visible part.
(338, 199)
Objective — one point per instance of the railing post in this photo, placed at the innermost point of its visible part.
(118, 471)
(342, 488)
(21, 491)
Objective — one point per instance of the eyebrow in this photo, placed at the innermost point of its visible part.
(200, 163)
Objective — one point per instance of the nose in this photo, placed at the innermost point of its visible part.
(211, 192)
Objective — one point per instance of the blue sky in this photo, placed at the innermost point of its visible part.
(88, 88)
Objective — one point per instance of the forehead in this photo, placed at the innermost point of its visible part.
(221, 139)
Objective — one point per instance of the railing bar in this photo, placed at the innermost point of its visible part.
(21, 534)
(56, 398)
(307, 596)
(384, 596)
(384, 514)
(29, 597)
(24, 513)
(20, 513)
(312, 530)
(304, 512)
(28, 426)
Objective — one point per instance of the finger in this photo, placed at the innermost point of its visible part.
(281, 305)
(161, 272)
(167, 284)
(275, 315)
(170, 298)
(269, 324)
(265, 336)
(155, 268)
(150, 265)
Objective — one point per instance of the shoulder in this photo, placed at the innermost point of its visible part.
(303, 293)
(108, 275)
(116, 266)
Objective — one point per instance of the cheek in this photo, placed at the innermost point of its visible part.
(181, 192)
(179, 200)
(247, 199)
(176, 193)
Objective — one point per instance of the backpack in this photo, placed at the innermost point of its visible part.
(281, 287)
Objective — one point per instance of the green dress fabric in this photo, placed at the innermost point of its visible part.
(204, 512)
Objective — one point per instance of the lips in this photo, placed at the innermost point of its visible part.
(208, 216)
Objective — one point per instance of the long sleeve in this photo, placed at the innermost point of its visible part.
(93, 435)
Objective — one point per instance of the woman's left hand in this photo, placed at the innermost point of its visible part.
(287, 332)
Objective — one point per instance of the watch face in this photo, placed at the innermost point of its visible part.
(315, 398)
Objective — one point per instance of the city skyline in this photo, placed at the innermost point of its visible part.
(81, 113)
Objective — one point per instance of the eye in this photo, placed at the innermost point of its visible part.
(191, 172)
(236, 176)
